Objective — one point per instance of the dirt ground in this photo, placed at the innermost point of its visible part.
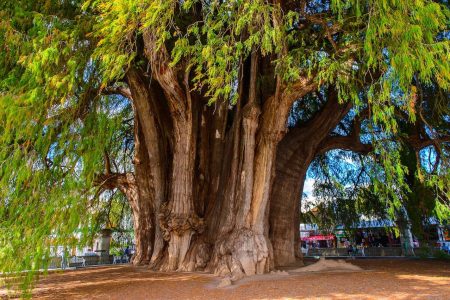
(380, 279)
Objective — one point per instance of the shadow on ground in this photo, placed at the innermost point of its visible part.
(380, 279)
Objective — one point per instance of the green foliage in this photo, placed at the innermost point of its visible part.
(342, 191)
(349, 187)
(56, 58)
(54, 127)
(441, 255)
(426, 252)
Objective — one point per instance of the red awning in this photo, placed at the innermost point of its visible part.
(318, 238)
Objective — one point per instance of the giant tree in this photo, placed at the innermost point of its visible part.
(205, 90)
(422, 147)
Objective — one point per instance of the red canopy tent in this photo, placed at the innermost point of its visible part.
(319, 238)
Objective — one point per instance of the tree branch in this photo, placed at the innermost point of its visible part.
(351, 142)
(107, 163)
(122, 181)
(423, 143)
(166, 75)
(299, 89)
(117, 90)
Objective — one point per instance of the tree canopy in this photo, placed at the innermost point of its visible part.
(95, 91)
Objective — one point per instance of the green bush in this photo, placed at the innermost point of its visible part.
(442, 255)
(116, 251)
(424, 252)
(428, 252)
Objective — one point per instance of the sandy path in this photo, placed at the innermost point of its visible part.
(380, 279)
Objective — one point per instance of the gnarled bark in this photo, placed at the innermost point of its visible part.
(295, 153)
(243, 246)
(206, 175)
(178, 219)
(135, 186)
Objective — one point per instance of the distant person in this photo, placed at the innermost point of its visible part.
(350, 250)
(63, 260)
(349, 247)
(127, 253)
(304, 249)
(345, 243)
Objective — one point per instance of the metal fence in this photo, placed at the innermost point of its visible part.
(56, 262)
(371, 252)
(375, 251)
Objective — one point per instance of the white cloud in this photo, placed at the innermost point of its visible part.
(308, 189)
(309, 186)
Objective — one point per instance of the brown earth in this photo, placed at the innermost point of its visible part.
(380, 279)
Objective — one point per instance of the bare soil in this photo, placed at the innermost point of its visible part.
(378, 279)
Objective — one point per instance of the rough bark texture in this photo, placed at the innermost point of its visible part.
(295, 153)
(218, 187)
(213, 187)
(201, 192)
(135, 186)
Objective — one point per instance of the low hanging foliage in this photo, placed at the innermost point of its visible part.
(58, 59)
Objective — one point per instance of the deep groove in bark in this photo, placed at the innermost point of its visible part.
(210, 181)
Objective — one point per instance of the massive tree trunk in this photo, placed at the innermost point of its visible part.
(295, 153)
(150, 147)
(238, 248)
(203, 176)
(136, 187)
(242, 246)
(141, 204)
(178, 220)
(285, 211)
(207, 173)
